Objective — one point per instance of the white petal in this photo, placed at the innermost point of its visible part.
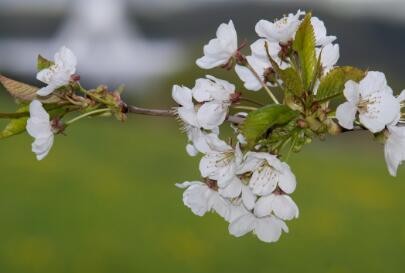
(395, 148)
(264, 205)
(242, 225)
(373, 82)
(284, 207)
(233, 190)
(212, 114)
(182, 95)
(383, 111)
(320, 32)
(188, 115)
(269, 229)
(191, 150)
(47, 90)
(66, 59)
(249, 79)
(287, 181)
(329, 56)
(196, 198)
(346, 114)
(351, 92)
(263, 181)
(248, 197)
(42, 145)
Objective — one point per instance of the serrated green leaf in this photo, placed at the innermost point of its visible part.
(292, 81)
(304, 45)
(15, 126)
(333, 83)
(259, 121)
(25, 92)
(43, 63)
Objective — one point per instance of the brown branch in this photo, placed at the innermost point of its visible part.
(171, 113)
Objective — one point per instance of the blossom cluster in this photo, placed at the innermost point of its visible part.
(245, 177)
(249, 186)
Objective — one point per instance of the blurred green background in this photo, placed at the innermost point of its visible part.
(104, 200)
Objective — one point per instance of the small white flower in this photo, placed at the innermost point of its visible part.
(280, 205)
(58, 74)
(201, 198)
(268, 173)
(281, 31)
(221, 164)
(373, 99)
(395, 148)
(221, 49)
(268, 229)
(215, 96)
(321, 39)
(39, 127)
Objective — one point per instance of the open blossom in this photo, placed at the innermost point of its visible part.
(267, 229)
(221, 164)
(221, 49)
(202, 197)
(58, 74)
(39, 127)
(215, 96)
(281, 31)
(395, 148)
(373, 99)
(268, 173)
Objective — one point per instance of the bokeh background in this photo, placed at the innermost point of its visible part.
(104, 200)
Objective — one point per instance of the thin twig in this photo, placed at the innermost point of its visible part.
(171, 113)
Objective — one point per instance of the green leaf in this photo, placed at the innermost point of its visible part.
(25, 92)
(304, 45)
(333, 83)
(291, 81)
(43, 63)
(259, 121)
(15, 126)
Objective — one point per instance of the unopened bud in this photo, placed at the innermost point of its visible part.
(75, 77)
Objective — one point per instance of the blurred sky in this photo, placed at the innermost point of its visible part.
(138, 42)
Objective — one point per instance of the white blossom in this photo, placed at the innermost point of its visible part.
(268, 173)
(373, 99)
(281, 31)
(221, 49)
(268, 229)
(58, 74)
(200, 198)
(395, 148)
(280, 205)
(39, 127)
(215, 96)
(221, 164)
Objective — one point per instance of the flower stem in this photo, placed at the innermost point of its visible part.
(242, 107)
(262, 83)
(98, 111)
